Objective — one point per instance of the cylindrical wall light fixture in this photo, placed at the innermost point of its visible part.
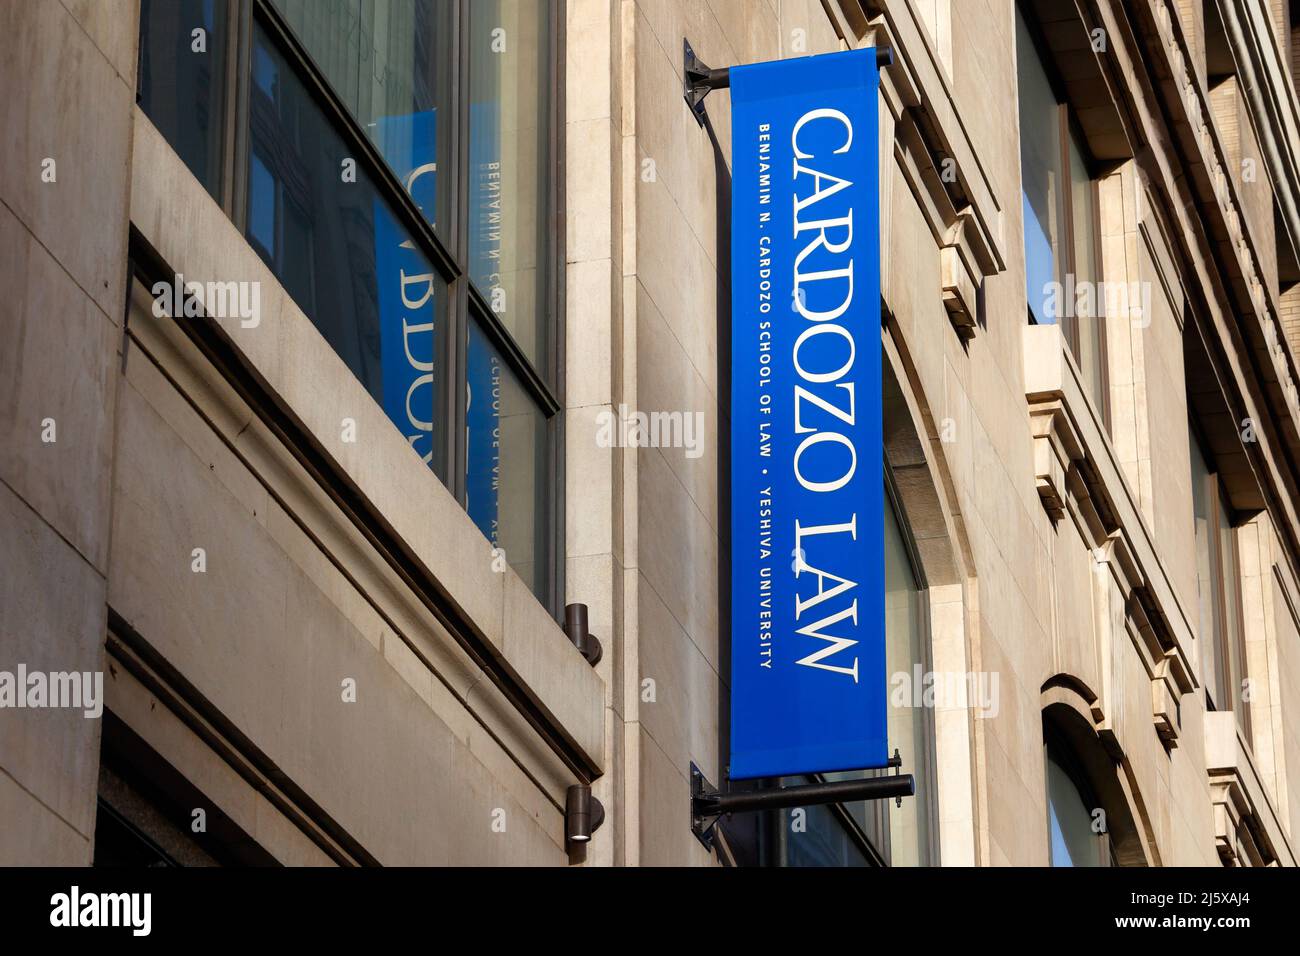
(575, 625)
(583, 814)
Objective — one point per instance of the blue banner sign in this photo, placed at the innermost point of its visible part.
(808, 691)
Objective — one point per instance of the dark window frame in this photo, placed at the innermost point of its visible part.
(1216, 496)
(894, 500)
(447, 251)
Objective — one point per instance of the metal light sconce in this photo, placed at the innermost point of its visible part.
(575, 625)
(583, 814)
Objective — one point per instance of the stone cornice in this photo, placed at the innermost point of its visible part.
(1197, 113)
(935, 152)
(1177, 147)
(1260, 54)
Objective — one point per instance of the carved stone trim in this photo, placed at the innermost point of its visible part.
(1170, 679)
(1056, 447)
(1168, 685)
(1230, 808)
(940, 165)
(1246, 832)
(1067, 478)
(1197, 113)
(1236, 833)
(962, 262)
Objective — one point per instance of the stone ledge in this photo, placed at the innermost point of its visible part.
(937, 157)
(193, 235)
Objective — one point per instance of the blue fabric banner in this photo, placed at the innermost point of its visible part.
(809, 688)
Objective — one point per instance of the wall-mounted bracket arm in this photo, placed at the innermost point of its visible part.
(708, 804)
(698, 78)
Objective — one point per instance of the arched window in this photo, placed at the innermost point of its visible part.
(1076, 822)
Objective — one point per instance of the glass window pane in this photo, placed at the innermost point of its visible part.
(1206, 581)
(507, 489)
(821, 840)
(390, 62)
(507, 181)
(1084, 220)
(1042, 179)
(909, 729)
(907, 840)
(341, 253)
(1070, 820)
(1235, 669)
(261, 206)
(183, 76)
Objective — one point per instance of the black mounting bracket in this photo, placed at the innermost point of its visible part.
(698, 78)
(708, 804)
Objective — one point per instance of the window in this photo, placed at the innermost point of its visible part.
(390, 63)
(1218, 582)
(182, 83)
(393, 162)
(508, 166)
(829, 836)
(1062, 235)
(1075, 828)
(882, 831)
(910, 730)
(338, 247)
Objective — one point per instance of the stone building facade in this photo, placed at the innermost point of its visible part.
(318, 641)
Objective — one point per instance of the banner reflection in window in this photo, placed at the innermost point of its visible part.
(509, 107)
(341, 252)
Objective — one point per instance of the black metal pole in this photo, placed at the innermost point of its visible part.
(840, 791)
(709, 805)
(699, 79)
